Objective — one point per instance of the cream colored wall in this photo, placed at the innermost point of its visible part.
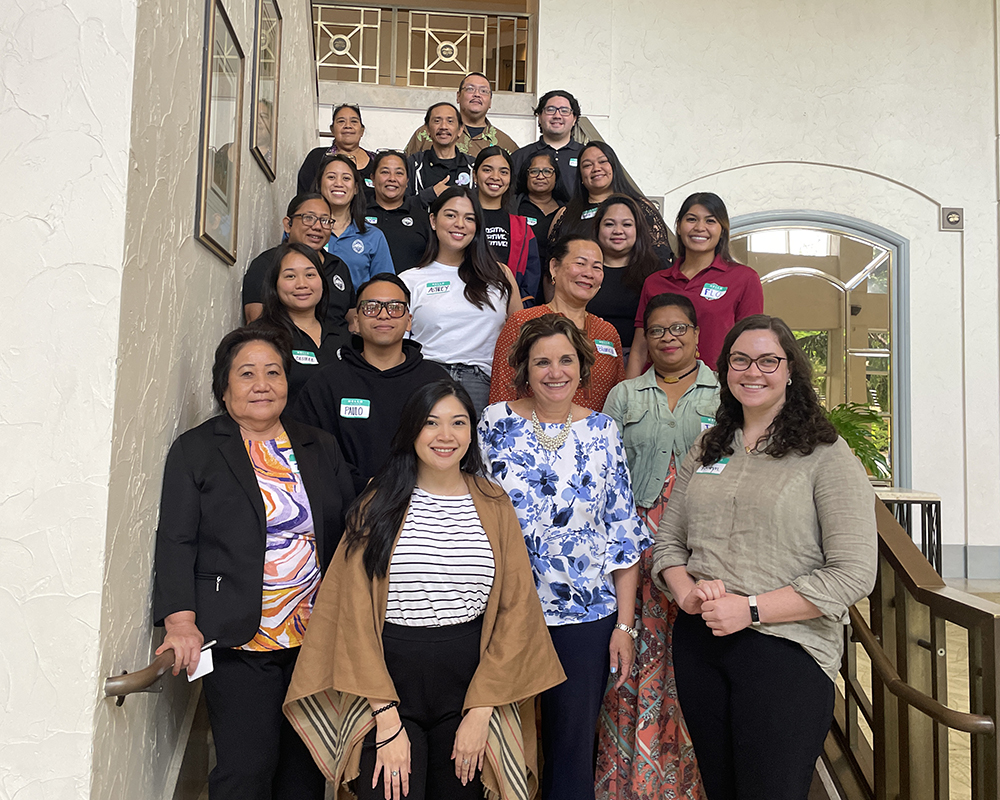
(177, 300)
(65, 79)
(879, 112)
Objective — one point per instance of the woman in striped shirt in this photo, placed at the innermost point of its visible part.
(418, 679)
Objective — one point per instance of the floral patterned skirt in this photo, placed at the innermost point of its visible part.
(644, 751)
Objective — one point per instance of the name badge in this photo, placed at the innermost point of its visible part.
(355, 408)
(572, 162)
(606, 348)
(713, 469)
(439, 287)
(369, 183)
(292, 463)
(712, 291)
(305, 357)
(371, 220)
(532, 221)
(707, 422)
(590, 213)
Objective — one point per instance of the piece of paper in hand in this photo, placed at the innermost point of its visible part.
(205, 666)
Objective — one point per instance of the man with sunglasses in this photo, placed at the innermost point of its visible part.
(360, 396)
(474, 100)
(557, 113)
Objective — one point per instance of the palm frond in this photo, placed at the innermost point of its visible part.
(853, 422)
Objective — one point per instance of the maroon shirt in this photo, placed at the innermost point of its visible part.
(722, 294)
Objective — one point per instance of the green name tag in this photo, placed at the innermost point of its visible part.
(713, 469)
(605, 347)
(355, 408)
(305, 357)
(438, 287)
(707, 422)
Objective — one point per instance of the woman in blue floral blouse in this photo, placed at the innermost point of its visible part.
(564, 468)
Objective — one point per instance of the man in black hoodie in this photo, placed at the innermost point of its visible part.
(359, 397)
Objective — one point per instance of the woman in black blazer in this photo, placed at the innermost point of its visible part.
(252, 510)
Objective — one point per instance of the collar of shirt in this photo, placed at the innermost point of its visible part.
(718, 263)
(705, 377)
(349, 230)
(571, 146)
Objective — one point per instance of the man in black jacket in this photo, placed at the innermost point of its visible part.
(359, 397)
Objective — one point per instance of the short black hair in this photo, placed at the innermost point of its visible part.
(301, 199)
(574, 104)
(427, 115)
(231, 344)
(382, 155)
(666, 300)
(383, 277)
(461, 84)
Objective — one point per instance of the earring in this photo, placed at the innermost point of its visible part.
(697, 353)
(789, 381)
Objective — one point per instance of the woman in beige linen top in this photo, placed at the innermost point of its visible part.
(770, 530)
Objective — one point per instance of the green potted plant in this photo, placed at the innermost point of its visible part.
(854, 422)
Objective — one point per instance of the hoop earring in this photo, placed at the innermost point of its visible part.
(789, 381)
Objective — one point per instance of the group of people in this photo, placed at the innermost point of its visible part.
(476, 509)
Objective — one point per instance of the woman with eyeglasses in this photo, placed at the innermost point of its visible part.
(540, 195)
(722, 290)
(460, 294)
(644, 750)
(347, 129)
(361, 246)
(308, 223)
(768, 539)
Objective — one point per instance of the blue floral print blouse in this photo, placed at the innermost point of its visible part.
(575, 507)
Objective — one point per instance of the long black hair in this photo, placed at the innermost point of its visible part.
(489, 152)
(275, 315)
(359, 206)
(374, 519)
(572, 222)
(480, 271)
(801, 424)
(642, 260)
(558, 193)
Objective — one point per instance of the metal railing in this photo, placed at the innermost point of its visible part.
(395, 46)
(891, 739)
(143, 680)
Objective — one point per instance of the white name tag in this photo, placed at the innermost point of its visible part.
(604, 347)
(371, 220)
(532, 221)
(713, 469)
(590, 213)
(439, 287)
(712, 291)
(707, 422)
(572, 162)
(355, 408)
(305, 357)
(369, 183)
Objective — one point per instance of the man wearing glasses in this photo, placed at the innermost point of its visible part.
(557, 114)
(359, 397)
(474, 99)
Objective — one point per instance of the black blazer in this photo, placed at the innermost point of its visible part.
(211, 538)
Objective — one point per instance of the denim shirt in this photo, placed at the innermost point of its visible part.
(652, 433)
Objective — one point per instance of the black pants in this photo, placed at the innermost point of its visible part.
(431, 669)
(570, 710)
(259, 756)
(758, 709)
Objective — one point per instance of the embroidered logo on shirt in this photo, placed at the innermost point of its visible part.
(371, 220)
(439, 287)
(407, 221)
(605, 347)
(712, 291)
(713, 469)
(358, 246)
(304, 357)
(355, 408)
(338, 282)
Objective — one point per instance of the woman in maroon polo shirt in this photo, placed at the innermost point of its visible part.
(723, 290)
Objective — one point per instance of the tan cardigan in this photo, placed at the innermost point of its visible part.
(342, 663)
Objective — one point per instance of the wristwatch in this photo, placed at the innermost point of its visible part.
(630, 631)
(754, 611)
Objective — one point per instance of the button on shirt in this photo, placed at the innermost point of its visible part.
(722, 294)
(652, 433)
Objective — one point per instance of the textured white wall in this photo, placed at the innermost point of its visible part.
(881, 112)
(65, 103)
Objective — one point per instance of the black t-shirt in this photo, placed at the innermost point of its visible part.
(498, 232)
(338, 281)
(407, 229)
(474, 132)
(616, 303)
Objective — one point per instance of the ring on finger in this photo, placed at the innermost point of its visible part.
(395, 773)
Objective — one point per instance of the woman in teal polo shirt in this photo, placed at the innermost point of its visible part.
(644, 750)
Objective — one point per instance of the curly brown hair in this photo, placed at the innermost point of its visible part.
(540, 328)
(800, 425)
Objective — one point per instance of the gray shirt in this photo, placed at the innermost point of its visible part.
(762, 523)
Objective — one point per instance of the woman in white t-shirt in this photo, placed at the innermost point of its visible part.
(460, 294)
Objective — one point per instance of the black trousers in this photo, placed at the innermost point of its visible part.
(431, 669)
(758, 709)
(570, 710)
(259, 756)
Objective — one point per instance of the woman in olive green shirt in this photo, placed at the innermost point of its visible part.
(644, 750)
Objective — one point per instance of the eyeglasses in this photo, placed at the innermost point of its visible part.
(767, 364)
(311, 219)
(372, 308)
(562, 111)
(485, 91)
(677, 329)
(545, 172)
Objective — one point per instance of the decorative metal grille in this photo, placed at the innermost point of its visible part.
(396, 46)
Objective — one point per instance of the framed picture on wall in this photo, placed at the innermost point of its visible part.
(266, 74)
(221, 120)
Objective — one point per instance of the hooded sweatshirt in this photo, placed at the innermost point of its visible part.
(361, 405)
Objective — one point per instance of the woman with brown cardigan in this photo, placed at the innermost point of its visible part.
(427, 644)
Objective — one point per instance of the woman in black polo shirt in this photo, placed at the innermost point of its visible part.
(402, 219)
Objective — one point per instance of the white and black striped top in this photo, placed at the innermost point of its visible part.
(442, 568)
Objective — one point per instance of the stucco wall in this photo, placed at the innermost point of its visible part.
(882, 113)
(65, 103)
(177, 300)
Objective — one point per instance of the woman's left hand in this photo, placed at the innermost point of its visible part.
(727, 614)
(622, 649)
(469, 750)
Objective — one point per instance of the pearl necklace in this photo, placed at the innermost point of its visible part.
(551, 443)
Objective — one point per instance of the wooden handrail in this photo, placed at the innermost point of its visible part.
(141, 681)
(957, 720)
